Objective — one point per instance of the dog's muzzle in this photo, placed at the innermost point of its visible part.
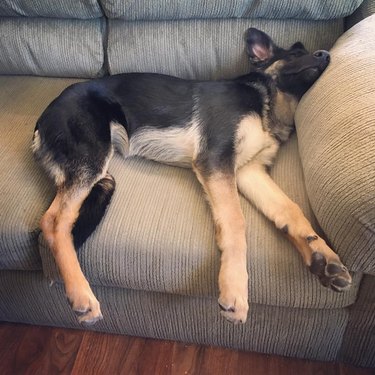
(323, 56)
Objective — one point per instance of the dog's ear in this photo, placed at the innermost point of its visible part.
(259, 46)
(298, 45)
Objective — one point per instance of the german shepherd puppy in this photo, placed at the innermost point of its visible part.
(227, 131)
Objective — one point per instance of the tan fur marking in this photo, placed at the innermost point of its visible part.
(57, 225)
(47, 223)
(230, 235)
(227, 211)
(285, 107)
(275, 67)
(257, 186)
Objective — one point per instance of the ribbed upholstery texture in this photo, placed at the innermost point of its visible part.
(25, 190)
(305, 333)
(359, 344)
(188, 9)
(204, 49)
(153, 261)
(366, 9)
(45, 47)
(336, 134)
(158, 233)
(54, 9)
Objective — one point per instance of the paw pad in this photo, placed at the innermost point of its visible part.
(331, 274)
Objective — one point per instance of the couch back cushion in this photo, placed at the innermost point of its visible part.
(336, 133)
(47, 8)
(191, 39)
(188, 9)
(204, 48)
(51, 47)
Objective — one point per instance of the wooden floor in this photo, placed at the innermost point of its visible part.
(44, 350)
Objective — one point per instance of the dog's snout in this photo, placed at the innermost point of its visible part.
(322, 54)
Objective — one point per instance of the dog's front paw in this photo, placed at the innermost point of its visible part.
(84, 304)
(331, 273)
(234, 307)
(233, 299)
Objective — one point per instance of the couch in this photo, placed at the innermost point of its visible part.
(152, 261)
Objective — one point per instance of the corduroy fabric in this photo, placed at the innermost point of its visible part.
(158, 233)
(51, 47)
(158, 236)
(358, 345)
(336, 134)
(188, 9)
(25, 190)
(54, 9)
(204, 49)
(366, 9)
(305, 333)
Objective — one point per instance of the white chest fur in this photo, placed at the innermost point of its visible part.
(253, 143)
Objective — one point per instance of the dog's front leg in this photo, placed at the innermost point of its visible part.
(257, 186)
(223, 197)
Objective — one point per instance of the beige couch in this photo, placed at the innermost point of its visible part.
(153, 262)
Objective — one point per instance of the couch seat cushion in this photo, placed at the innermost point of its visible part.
(23, 186)
(336, 133)
(157, 234)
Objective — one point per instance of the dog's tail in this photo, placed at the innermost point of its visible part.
(93, 209)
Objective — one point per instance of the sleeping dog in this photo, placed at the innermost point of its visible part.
(227, 131)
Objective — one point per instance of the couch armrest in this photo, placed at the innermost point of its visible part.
(365, 10)
(335, 124)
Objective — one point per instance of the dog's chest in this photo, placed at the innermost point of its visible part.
(252, 142)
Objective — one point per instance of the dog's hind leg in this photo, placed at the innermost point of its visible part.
(47, 223)
(258, 187)
(57, 224)
(223, 197)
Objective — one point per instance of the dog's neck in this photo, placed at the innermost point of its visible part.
(282, 115)
(285, 107)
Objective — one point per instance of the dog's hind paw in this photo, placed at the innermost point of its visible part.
(331, 273)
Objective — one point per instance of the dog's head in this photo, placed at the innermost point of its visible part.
(294, 70)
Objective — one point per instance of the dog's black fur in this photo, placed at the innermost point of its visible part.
(199, 120)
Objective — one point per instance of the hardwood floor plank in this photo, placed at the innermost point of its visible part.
(10, 338)
(219, 361)
(254, 363)
(186, 359)
(43, 350)
(156, 357)
(351, 370)
(283, 365)
(37, 350)
(63, 350)
(30, 355)
(108, 354)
